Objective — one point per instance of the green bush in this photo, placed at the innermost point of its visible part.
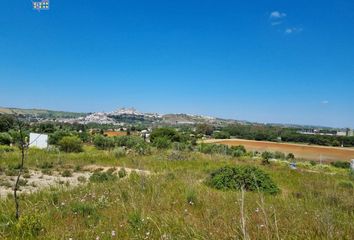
(279, 155)
(119, 152)
(135, 220)
(83, 209)
(6, 149)
(99, 177)
(29, 226)
(266, 156)
(142, 148)
(162, 142)
(248, 177)
(70, 144)
(237, 151)
(122, 173)
(290, 157)
(66, 173)
(341, 164)
(346, 184)
(5, 138)
(221, 135)
(103, 143)
(165, 133)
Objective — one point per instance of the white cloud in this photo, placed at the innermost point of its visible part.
(277, 15)
(293, 30)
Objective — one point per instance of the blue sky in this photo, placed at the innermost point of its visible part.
(265, 61)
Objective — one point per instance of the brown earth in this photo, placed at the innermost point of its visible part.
(308, 152)
(115, 134)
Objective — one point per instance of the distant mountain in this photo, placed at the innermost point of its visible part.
(41, 113)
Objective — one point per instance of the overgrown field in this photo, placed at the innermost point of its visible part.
(174, 202)
(309, 152)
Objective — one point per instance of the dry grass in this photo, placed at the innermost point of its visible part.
(308, 152)
(174, 203)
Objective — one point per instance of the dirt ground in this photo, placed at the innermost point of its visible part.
(308, 152)
(38, 180)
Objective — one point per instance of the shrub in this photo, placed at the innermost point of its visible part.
(279, 155)
(162, 142)
(248, 177)
(237, 151)
(290, 156)
(177, 156)
(341, 164)
(102, 177)
(266, 156)
(46, 165)
(70, 144)
(214, 149)
(103, 143)
(83, 209)
(142, 148)
(6, 149)
(66, 173)
(29, 226)
(122, 173)
(313, 163)
(166, 133)
(47, 171)
(11, 172)
(55, 138)
(135, 220)
(5, 139)
(221, 135)
(191, 196)
(81, 179)
(346, 184)
(119, 152)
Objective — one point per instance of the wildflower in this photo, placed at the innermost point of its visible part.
(113, 233)
(97, 238)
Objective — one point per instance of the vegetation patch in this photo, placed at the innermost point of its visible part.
(102, 177)
(247, 177)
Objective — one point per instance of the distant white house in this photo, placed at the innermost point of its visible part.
(38, 140)
(352, 164)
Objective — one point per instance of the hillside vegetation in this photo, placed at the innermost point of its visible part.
(175, 201)
(41, 113)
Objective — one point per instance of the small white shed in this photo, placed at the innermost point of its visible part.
(38, 140)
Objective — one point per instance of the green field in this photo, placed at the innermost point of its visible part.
(173, 202)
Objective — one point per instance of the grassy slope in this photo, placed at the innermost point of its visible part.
(42, 113)
(311, 206)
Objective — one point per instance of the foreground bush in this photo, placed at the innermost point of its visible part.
(70, 144)
(340, 164)
(103, 143)
(247, 177)
(102, 177)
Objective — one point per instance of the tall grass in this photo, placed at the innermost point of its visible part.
(174, 202)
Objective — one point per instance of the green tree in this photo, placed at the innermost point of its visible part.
(102, 142)
(221, 135)
(7, 122)
(204, 129)
(5, 139)
(166, 133)
(70, 144)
